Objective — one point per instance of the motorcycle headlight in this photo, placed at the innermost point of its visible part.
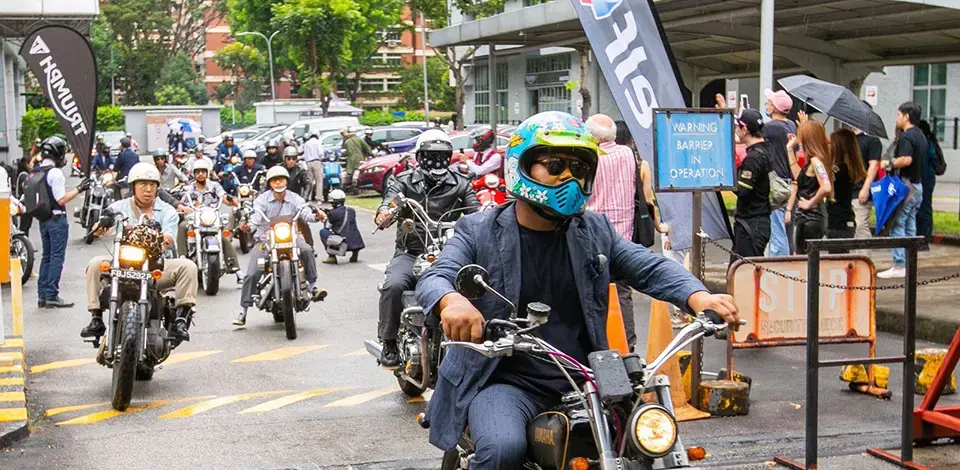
(132, 254)
(208, 217)
(234, 160)
(98, 191)
(653, 430)
(244, 191)
(282, 232)
(491, 181)
(107, 177)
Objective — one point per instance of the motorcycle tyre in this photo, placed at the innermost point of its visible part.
(125, 363)
(287, 302)
(212, 274)
(451, 460)
(246, 241)
(410, 389)
(88, 238)
(28, 262)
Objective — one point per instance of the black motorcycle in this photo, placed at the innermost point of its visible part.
(282, 288)
(204, 227)
(138, 317)
(605, 423)
(247, 193)
(420, 335)
(102, 193)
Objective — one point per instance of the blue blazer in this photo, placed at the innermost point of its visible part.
(492, 240)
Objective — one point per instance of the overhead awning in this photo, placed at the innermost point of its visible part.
(722, 37)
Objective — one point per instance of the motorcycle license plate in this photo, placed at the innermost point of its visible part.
(129, 274)
(283, 245)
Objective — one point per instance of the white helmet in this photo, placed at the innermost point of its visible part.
(351, 130)
(249, 153)
(276, 172)
(202, 165)
(337, 195)
(431, 136)
(143, 172)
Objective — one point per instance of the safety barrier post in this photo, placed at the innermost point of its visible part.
(16, 296)
(814, 247)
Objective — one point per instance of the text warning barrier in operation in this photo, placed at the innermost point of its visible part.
(693, 149)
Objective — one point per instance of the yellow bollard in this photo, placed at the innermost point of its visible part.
(16, 295)
(4, 232)
(927, 363)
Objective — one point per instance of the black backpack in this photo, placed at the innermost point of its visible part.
(37, 197)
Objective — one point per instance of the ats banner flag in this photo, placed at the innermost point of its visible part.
(62, 60)
(627, 41)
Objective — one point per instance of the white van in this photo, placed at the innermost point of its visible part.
(320, 125)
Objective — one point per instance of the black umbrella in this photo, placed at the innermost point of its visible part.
(835, 101)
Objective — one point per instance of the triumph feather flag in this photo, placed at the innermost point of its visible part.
(630, 46)
(62, 60)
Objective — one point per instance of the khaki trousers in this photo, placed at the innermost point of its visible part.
(861, 217)
(178, 273)
(315, 169)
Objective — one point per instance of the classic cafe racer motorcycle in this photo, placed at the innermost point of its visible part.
(138, 316)
(282, 288)
(606, 424)
(420, 335)
(204, 228)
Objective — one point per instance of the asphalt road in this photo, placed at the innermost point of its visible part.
(249, 398)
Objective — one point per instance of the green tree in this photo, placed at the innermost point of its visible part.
(107, 56)
(376, 16)
(441, 94)
(179, 72)
(318, 34)
(173, 95)
(37, 123)
(110, 118)
(141, 32)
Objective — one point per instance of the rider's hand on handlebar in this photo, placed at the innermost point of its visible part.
(184, 208)
(461, 321)
(721, 303)
(167, 241)
(84, 185)
(244, 226)
(381, 215)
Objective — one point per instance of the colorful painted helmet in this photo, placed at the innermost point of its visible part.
(551, 130)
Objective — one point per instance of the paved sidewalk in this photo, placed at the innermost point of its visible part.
(938, 305)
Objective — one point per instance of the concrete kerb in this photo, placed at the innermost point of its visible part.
(889, 320)
(14, 418)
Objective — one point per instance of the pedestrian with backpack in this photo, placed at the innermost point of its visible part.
(751, 230)
(934, 165)
(45, 199)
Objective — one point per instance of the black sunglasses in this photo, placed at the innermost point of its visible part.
(557, 165)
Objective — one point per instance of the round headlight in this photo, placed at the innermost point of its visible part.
(282, 232)
(654, 431)
(491, 180)
(107, 177)
(99, 191)
(235, 159)
(244, 190)
(208, 217)
(131, 254)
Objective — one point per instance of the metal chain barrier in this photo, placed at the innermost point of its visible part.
(761, 267)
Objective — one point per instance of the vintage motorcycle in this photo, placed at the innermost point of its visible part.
(247, 193)
(138, 317)
(420, 335)
(204, 227)
(282, 288)
(491, 190)
(606, 424)
(101, 194)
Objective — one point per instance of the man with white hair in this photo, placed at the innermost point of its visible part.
(613, 195)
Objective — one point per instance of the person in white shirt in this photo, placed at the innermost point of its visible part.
(485, 157)
(313, 158)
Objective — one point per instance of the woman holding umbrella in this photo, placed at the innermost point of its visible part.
(811, 185)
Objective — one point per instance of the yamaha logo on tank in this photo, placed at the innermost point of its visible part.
(67, 73)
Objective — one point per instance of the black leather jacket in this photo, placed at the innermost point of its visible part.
(452, 191)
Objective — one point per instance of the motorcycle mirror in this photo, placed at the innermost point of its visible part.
(407, 226)
(471, 281)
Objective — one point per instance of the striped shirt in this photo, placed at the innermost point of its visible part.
(615, 186)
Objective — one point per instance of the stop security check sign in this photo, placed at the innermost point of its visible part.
(693, 150)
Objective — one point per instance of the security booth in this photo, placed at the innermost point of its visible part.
(149, 125)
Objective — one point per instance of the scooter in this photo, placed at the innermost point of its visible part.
(332, 173)
(491, 190)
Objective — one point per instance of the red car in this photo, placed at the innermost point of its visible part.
(374, 171)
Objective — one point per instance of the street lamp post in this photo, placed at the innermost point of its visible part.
(273, 93)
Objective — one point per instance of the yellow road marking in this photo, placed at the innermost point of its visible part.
(279, 354)
(12, 396)
(67, 409)
(12, 343)
(111, 413)
(289, 400)
(11, 381)
(6, 361)
(361, 398)
(359, 352)
(216, 403)
(62, 364)
(11, 355)
(12, 414)
(177, 358)
(9, 369)
(425, 398)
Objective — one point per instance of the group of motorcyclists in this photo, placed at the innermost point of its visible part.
(541, 247)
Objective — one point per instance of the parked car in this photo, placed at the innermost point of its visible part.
(299, 129)
(374, 171)
(239, 135)
(392, 139)
(259, 141)
(112, 140)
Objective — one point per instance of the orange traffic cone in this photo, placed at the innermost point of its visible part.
(660, 335)
(616, 332)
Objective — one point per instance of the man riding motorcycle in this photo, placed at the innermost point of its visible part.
(102, 161)
(277, 202)
(249, 169)
(299, 179)
(176, 143)
(225, 151)
(203, 190)
(169, 174)
(443, 193)
(485, 160)
(144, 179)
(273, 157)
(197, 156)
(546, 249)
